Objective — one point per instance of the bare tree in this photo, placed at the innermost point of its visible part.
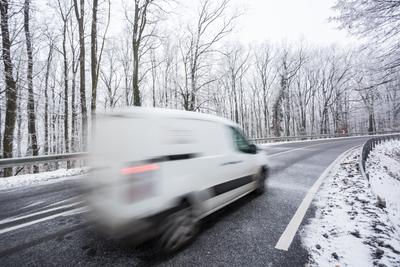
(74, 69)
(202, 39)
(49, 60)
(64, 13)
(142, 10)
(281, 109)
(369, 97)
(31, 100)
(304, 92)
(111, 79)
(265, 78)
(95, 58)
(10, 88)
(392, 92)
(379, 20)
(334, 75)
(153, 72)
(369, 85)
(236, 64)
(80, 17)
(167, 61)
(125, 56)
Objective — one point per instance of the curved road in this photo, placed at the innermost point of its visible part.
(32, 231)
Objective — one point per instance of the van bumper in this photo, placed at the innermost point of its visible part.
(135, 231)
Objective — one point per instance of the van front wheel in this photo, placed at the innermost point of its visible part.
(260, 180)
(178, 229)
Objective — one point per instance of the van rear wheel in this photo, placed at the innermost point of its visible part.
(178, 229)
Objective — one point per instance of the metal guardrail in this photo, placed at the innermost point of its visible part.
(312, 137)
(26, 161)
(369, 146)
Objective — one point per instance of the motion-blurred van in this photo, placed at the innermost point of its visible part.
(157, 172)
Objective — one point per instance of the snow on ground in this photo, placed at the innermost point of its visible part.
(350, 228)
(40, 178)
(383, 167)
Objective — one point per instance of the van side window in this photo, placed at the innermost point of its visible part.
(240, 141)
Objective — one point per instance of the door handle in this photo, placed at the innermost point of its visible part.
(231, 162)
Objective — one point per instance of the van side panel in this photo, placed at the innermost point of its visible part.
(124, 139)
(205, 144)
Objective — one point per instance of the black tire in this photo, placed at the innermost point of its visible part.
(260, 179)
(178, 230)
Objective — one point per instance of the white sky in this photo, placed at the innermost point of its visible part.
(290, 20)
(272, 20)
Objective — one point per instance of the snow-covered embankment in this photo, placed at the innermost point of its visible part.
(357, 222)
(41, 178)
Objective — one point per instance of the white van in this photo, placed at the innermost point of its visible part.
(157, 172)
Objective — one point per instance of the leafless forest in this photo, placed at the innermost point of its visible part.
(61, 63)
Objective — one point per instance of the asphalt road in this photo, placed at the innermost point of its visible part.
(242, 234)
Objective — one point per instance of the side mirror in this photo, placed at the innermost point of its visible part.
(253, 149)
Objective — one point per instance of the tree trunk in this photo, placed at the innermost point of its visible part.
(74, 68)
(287, 111)
(80, 15)
(66, 89)
(135, 51)
(11, 90)
(277, 118)
(153, 77)
(19, 124)
(73, 112)
(236, 105)
(265, 113)
(277, 115)
(31, 99)
(324, 120)
(135, 77)
(46, 100)
(93, 52)
(370, 123)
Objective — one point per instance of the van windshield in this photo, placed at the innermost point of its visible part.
(240, 141)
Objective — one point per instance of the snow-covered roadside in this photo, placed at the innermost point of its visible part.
(383, 167)
(350, 227)
(40, 178)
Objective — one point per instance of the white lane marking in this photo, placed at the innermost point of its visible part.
(13, 219)
(291, 150)
(31, 205)
(62, 201)
(287, 237)
(65, 213)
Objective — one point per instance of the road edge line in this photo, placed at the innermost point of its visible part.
(288, 235)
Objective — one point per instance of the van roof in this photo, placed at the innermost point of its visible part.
(164, 112)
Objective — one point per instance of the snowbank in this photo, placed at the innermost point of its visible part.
(383, 167)
(40, 178)
(350, 228)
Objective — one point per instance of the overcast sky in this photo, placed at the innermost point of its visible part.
(273, 20)
(290, 20)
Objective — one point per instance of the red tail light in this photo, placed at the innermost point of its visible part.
(139, 169)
